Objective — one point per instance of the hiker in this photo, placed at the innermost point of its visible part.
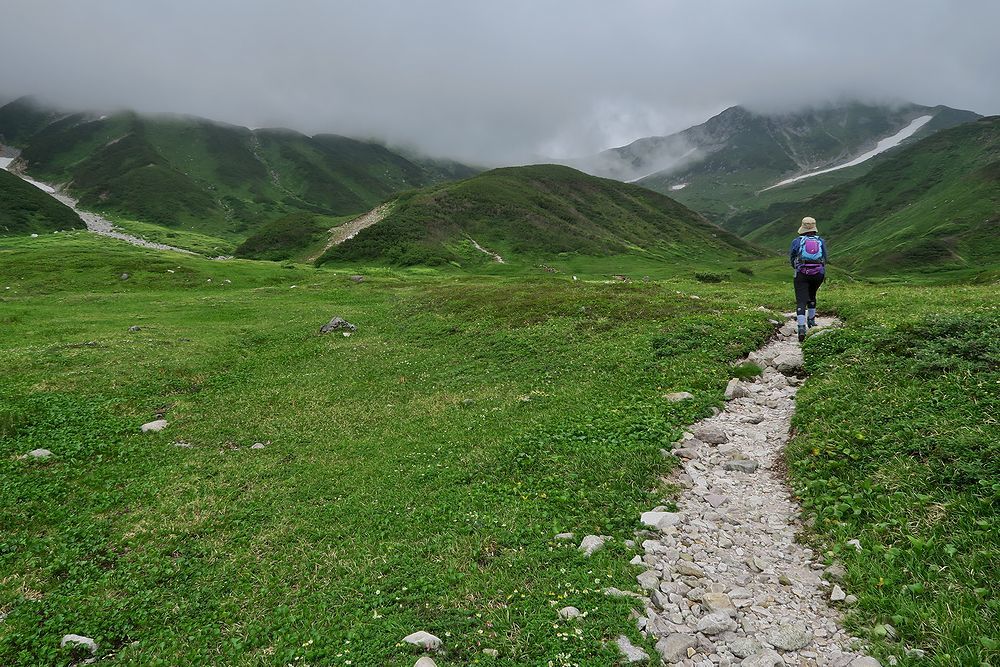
(808, 257)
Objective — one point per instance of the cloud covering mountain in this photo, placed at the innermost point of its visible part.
(497, 82)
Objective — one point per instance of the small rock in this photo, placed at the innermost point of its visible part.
(735, 390)
(424, 640)
(79, 640)
(788, 363)
(257, 445)
(710, 433)
(850, 600)
(716, 500)
(674, 647)
(425, 662)
(718, 602)
(838, 594)
(337, 324)
(836, 572)
(689, 569)
(855, 543)
(185, 445)
(154, 426)
(564, 537)
(357, 279)
(865, 661)
(741, 465)
(790, 637)
(784, 580)
(492, 652)
(124, 276)
(716, 623)
(686, 453)
(678, 396)
(633, 654)
(592, 544)
(39, 453)
(768, 658)
(134, 328)
(569, 613)
(744, 647)
(648, 580)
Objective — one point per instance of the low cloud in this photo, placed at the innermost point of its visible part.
(497, 83)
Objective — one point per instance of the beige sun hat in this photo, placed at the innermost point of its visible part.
(808, 225)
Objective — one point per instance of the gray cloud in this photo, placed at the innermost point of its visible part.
(497, 82)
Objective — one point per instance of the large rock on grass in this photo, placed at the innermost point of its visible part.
(337, 324)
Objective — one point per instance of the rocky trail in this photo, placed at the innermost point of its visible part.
(726, 583)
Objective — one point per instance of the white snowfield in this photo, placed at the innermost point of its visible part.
(880, 147)
(679, 186)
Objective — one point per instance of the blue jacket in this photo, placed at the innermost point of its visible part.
(793, 252)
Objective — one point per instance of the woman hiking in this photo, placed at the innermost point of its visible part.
(808, 257)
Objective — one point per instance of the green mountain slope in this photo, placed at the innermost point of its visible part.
(24, 209)
(537, 212)
(723, 166)
(204, 176)
(932, 205)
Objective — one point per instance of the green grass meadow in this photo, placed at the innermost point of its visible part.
(415, 472)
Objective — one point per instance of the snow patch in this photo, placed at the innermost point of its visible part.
(679, 186)
(5, 162)
(881, 147)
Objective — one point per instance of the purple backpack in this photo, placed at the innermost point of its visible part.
(810, 255)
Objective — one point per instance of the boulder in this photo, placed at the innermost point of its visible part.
(716, 623)
(569, 613)
(337, 324)
(154, 426)
(710, 433)
(744, 647)
(718, 602)
(632, 653)
(790, 636)
(674, 647)
(735, 390)
(425, 662)
(788, 363)
(741, 465)
(592, 544)
(768, 658)
(39, 453)
(79, 640)
(424, 640)
(678, 396)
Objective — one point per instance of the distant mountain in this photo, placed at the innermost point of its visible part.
(723, 166)
(528, 214)
(24, 209)
(181, 171)
(932, 205)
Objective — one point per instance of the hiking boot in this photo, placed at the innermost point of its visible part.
(802, 332)
(811, 322)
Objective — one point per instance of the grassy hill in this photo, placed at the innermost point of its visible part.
(24, 209)
(933, 205)
(721, 167)
(532, 213)
(203, 176)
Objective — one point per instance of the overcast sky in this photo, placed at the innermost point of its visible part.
(500, 81)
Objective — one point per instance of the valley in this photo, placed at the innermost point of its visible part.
(532, 351)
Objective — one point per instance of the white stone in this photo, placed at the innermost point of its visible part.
(154, 426)
(569, 613)
(632, 654)
(592, 544)
(837, 594)
(39, 453)
(678, 396)
(425, 662)
(424, 640)
(79, 640)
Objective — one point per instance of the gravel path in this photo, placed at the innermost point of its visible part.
(100, 225)
(727, 583)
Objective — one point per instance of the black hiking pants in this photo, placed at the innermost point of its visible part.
(805, 291)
